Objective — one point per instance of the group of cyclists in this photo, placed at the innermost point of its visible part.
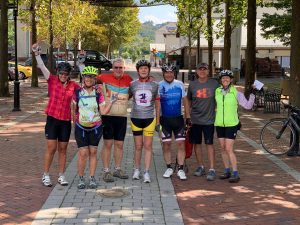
(100, 105)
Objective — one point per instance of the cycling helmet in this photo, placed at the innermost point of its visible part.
(90, 70)
(168, 67)
(142, 62)
(64, 66)
(224, 73)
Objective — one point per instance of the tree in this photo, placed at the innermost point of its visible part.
(295, 54)
(278, 26)
(251, 46)
(4, 90)
(120, 26)
(209, 36)
(227, 34)
(34, 78)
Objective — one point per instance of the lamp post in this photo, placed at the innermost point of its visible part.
(16, 82)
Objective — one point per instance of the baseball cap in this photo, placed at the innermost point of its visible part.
(202, 65)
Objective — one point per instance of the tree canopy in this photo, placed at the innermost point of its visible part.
(278, 26)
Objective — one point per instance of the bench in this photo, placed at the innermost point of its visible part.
(272, 99)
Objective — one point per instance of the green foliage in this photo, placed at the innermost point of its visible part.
(278, 26)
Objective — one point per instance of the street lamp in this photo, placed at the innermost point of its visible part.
(16, 82)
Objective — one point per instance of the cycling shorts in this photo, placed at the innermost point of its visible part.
(143, 126)
(227, 132)
(171, 125)
(114, 127)
(57, 129)
(196, 132)
(86, 137)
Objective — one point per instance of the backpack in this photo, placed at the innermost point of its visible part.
(78, 97)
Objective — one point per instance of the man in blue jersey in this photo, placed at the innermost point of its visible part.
(172, 96)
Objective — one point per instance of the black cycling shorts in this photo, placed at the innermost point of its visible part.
(227, 132)
(88, 136)
(114, 127)
(57, 129)
(172, 125)
(196, 132)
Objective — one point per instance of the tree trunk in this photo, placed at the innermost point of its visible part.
(34, 78)
(251, 46)
(190, 52)
(227, 35)
(210, 38)
(4, 89)
(50, 58)
(295, 55)
(198, 48)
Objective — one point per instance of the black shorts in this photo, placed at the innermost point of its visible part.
(57, 129)
(88, 136)
(172, 125)
(196, 134)
(114, 127)
(227, 132)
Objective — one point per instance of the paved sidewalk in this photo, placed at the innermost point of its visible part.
(268, 192)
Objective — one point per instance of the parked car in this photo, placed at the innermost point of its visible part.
(97, 59)
(24, 71)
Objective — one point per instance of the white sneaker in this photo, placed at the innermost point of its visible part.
(136, 174)
(181, 175)
(46, 180)
(62, 180)
(147, 178)
(169, 172)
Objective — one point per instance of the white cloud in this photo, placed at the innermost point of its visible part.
(154, 19)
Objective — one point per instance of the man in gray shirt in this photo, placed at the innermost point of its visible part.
(201, 98)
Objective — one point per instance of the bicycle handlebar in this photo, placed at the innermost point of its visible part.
(292, 108)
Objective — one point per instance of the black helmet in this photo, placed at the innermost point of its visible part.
(168, 67)
(224, 73)
(64, 66)
(142, 62)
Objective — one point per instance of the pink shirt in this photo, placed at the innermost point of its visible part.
(60, 98)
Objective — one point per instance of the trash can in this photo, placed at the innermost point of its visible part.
(236, 75)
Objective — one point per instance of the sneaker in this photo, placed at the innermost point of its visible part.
(108, 177)
(169, 172)
(81, 183)
(225, 175)
(120, 174)
(181, 175)
(147, 177)
(136, 174)
(46, 180)
(62, 180)
(93, 183)
(199, 171)
(234, 179)
(211, 175)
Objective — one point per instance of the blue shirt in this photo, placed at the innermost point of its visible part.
(171, 95)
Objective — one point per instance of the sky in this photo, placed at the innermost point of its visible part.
(158, 14)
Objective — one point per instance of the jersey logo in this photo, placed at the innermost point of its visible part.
(143, 97)
(202, 93)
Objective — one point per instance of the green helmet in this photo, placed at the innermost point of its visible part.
(90, 70)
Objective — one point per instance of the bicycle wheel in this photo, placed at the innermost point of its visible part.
(271, 139)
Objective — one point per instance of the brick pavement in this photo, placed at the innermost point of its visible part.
(268, 192)
(22, 149)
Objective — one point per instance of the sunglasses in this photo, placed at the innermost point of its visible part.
(118, 67)
(89, 76)
(202, 68)
(63, 73)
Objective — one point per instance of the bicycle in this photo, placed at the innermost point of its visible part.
(278, 136)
